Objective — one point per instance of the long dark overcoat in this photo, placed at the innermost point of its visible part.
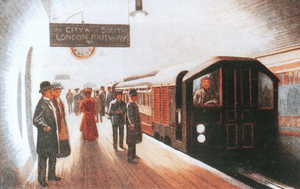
(44, 116)
(133, 118)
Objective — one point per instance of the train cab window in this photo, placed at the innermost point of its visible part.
(265, 92)
(206, 90)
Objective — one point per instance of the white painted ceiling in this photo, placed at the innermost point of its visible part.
(174, 32)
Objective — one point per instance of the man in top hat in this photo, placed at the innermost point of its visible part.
(47, 141)
(116, 111)
(133, 123)
(69, 98)
(63, 131)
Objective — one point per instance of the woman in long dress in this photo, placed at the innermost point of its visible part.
(88, 125)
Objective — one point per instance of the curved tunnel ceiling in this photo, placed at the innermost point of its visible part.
(175, 32)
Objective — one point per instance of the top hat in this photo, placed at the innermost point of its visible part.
(57, 85)
(119, 92)
(45, 86)
(132, 92)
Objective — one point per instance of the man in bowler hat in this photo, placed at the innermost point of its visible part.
(63, 132)
(133, 123)
(45, 120)
(117, 110)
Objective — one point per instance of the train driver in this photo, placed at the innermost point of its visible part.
(204, 95)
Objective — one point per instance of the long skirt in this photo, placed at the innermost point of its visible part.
(88, 127)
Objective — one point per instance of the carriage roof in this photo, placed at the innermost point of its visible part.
(168, 76)
(137, 83)
(217, 59)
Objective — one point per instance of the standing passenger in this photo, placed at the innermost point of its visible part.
(133, 123)
(63, 132)
(117, 110)
(45, 120)
(77, 98)
(98, 103)
(69, 98)
(109, 97)
(88, 125)
(103, 97)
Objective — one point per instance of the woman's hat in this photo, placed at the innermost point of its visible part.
(45, 86)
(87, 90)
(57, 85)
(132, 92)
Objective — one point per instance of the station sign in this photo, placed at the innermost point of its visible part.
(89, 35)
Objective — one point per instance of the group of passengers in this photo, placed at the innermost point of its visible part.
(53, 135)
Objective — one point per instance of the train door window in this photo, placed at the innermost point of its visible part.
(139, 98)
(246, 97)
(157, 102)
(165, 103)
(207, 89)
(148, 97)
(265, 92)
(143, 98)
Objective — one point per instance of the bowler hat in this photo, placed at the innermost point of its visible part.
(132, 92)
(119, 92)
(57, 85)
(45, 86)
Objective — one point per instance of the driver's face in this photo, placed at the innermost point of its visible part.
(205, 83)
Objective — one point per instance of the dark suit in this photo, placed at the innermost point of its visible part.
(117, 120)
(47, 142)
(103, 98)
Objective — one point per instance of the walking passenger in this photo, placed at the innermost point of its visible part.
(69, 98)
(103, 97)
(133, 125)
(98, 103)
(88, 125)
(77, 99)
(117, 110)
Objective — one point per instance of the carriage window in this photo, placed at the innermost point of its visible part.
(265, 92)
(206, 89)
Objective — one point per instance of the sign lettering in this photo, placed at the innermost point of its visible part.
(89, 35)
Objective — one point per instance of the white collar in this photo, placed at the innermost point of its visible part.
(46, 98)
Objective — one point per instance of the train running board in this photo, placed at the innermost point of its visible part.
(265, 180)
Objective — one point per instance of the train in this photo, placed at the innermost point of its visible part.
(225, 104)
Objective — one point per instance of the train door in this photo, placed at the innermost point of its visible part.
(239, 108)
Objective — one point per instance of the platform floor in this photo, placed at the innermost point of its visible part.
(97, 165)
